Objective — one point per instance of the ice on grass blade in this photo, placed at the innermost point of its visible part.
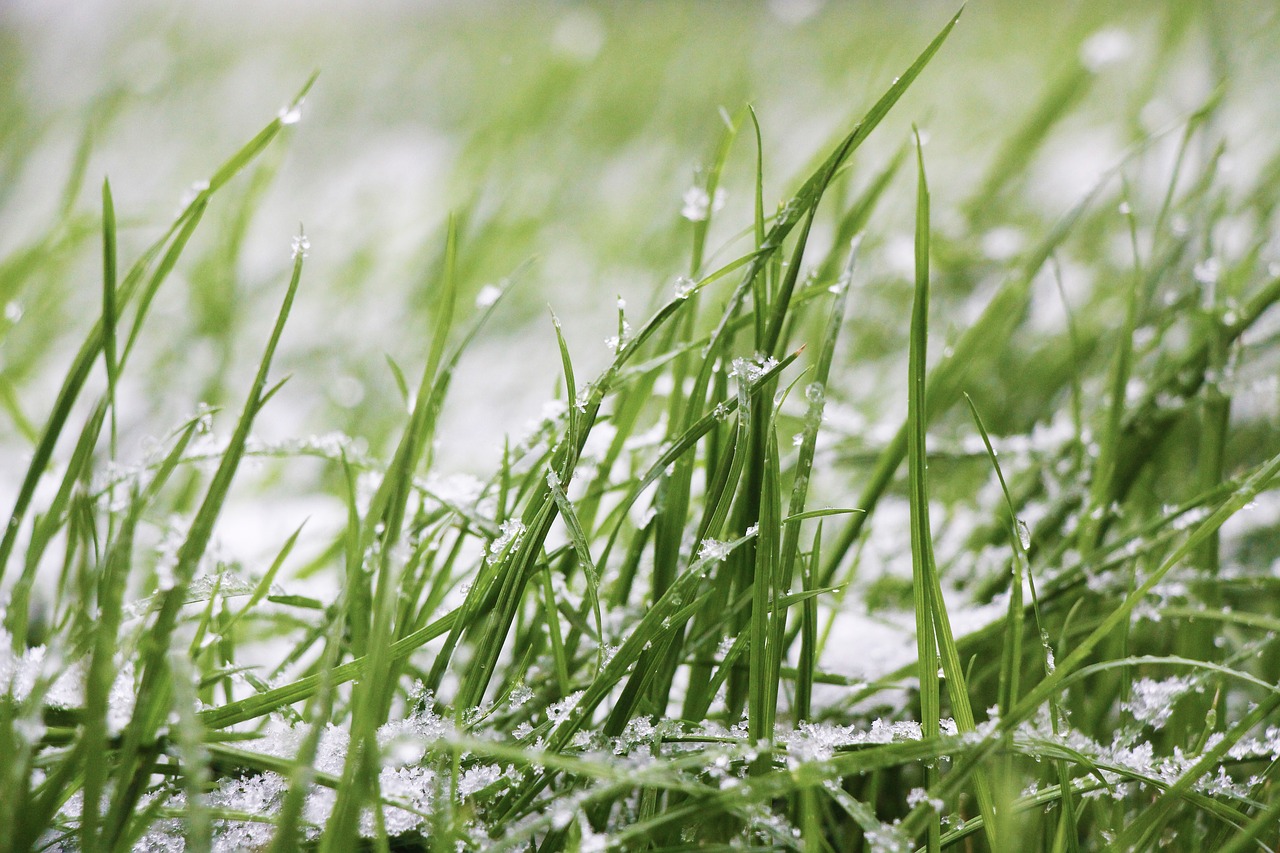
(1024, 534)
(714, 549)
(511, 530)
(750, 370)
(520, 695)
(615, 343)
(919, 796)
(291, 114)
(300, 244)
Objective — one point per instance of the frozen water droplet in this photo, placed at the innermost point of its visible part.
(290, 115)
(488, 295)
(13, 311)
(300, 246)
(684, 286)
(1024, 534)
(1125, 208)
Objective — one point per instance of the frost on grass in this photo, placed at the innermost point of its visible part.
(1152, 702)
(410, 785)
(714, 549)
(750, 370)
(44, 674)
(510, 532)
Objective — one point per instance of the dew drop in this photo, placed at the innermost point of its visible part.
(1024, 534)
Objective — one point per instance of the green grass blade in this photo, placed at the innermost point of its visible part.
(921, 552)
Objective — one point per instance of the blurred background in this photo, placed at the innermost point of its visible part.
(563, 136)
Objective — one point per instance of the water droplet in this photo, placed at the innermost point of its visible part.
(290, 115)
(300, 246)
(488, 295)
(1024, 535)
(13, 311)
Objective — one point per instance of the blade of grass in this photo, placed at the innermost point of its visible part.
(933, 627)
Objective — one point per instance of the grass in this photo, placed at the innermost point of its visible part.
(698, 605)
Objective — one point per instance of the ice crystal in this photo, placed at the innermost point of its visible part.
(521, 694)
(559, 711)
(476, 779)
(750, 370)
(917, 796)
(714, 549)
(1152, 702)
(511, 530)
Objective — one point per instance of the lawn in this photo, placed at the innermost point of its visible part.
(664, 426)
